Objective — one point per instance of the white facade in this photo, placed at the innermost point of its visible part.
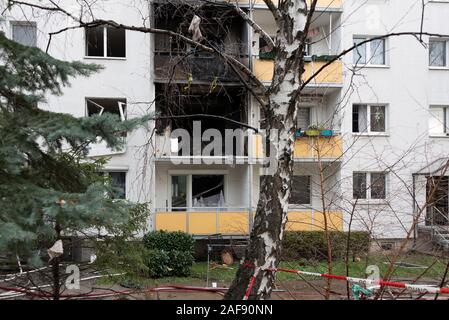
(405, 84)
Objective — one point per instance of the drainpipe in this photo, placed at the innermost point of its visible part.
(250, 133)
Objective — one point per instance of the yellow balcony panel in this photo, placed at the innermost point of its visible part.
(325, 147)
(332, 74)
(334, 221)
(235, 223)
(203, 223)
(171, 221)
(299, 221)
(321, 4)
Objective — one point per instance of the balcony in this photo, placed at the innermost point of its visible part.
(236, 222)
(307, 148)
(321, 4)
(332, 75)
(233, 221)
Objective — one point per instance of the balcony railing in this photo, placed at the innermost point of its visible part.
(307, 148)
(321, 4)
(236, 221)
(332, 74)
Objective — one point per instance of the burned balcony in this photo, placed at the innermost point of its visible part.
(203, 116)
(220, 27)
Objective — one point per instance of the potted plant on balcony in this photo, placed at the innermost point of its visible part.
(313, 131)
(299, 133)
(327, 133)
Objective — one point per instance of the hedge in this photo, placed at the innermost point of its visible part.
(313, 244)
(169, 253)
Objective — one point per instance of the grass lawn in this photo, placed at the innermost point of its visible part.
(223, 276)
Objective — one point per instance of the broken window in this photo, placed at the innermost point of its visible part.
(208, 191)
(118, 182)
(101, 106)
(370, 53)
(438, 120)
(300, 193)
(369, 185)
(24, 33)
(105, 41)
(368, 118)
(437, 53)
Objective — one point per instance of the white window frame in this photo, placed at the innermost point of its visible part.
(106, 172)
(445, 121)
(368, 132)
(105, 46)
(189, 175)
(446, 42)
(368, 186)
(121, 106)
(22, 23)
(369, 56)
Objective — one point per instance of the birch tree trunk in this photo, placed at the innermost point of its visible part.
(265, 243)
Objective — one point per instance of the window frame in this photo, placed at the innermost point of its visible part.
(445, 121)
(300, 205)
(368, 188)
(446, 58)
(369, 132)
(369, 55)
(14, 23)
(106, 173)
(105, 46)
(189, 174)
(122, 106)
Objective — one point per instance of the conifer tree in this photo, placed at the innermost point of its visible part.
(49, 188)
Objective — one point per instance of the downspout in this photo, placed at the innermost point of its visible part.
(250, 133)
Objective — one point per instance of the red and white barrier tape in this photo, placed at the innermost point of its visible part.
(382, 283)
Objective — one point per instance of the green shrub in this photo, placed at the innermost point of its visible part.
(164, 240)
(158, 263)
(313, 244)
(170, 253)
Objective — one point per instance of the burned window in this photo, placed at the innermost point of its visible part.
(105, 41)
(101, 106)
(300, 193)
(208, 191)
(24, 33)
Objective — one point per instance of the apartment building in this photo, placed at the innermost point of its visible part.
(380, 111)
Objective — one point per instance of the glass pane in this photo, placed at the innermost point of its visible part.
(378, 185)
(208, 191)
(179, 192)
(118, 181)
(437, 53)
(359, 185)
(24, 34)
(359, 53)
(303, 118)
(95, 42)
(378, 52)
(437, 121)
(359, 118)
(300, 193)
(116, 43)
(377, 119)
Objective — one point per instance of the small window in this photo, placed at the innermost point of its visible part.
(105, 105)
(24, 33)
(303, 118)
(105, 41)
(438, 120)
(368, 118)
(369, 53)
(118, 182)
(369, 185)
(300, 193)
(265, 52)
(438, 53)
(179, 192)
